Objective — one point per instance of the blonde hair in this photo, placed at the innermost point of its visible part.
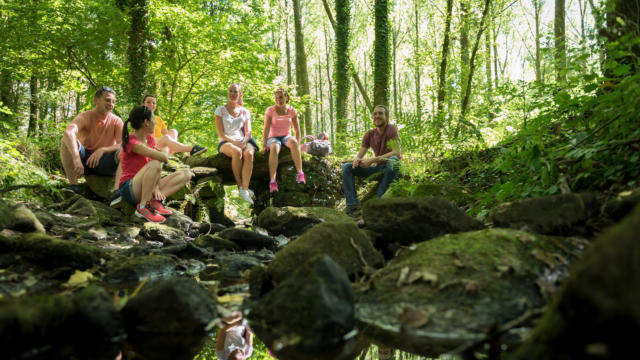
(240, 102)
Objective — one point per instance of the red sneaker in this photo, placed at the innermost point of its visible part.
(300, 178)
(157, 206)
(148, 213)
(273, 186)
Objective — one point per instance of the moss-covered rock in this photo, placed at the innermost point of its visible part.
(101, 185)
(452, 193)
(49, 252)
(215, 242)
(291, 220)
(138, 268)
(343, 242)
(597, 314)
(564, 214)
(25, 221)
(163, 233)
(410, 220)
(445, 292)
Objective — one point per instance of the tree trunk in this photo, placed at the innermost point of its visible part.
(560, 42)
(381, 53)
(138, 51)
(394, 47)
(355, 108)
(464, 46)
(416, 59)
(487, 69)
(33, 107)
(362, 89)
(342, 31)
(287, 44)
(329, 75)
(494, 30)
(302, 75)
(443, 63)
(537, 9)
(467, 95)
(320, 124)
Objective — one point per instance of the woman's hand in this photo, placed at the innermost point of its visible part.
(158, 195)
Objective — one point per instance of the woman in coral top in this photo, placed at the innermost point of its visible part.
(141, 183)
(277, 125)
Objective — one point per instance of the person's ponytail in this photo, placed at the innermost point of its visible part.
(125, 135)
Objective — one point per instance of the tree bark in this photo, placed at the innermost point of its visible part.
(394, 47)
(342, 31)
(287, 44)
(537, 9)
(381, 53)
(487, 69)
(464, 46)
(329, 75)
(416, 59)
(138, 51)
(560, 41)
(443, 63)
(302, 75)
(32, 131)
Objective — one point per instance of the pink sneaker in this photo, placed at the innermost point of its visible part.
(300, 178)
(149, 213)
(273, 186)
(157, 206)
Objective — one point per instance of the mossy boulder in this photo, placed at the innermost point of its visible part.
(49, 252)
(622, 204)
(411, 220)
(94, 210)
(439, 294)
(136, 269)
(597, 313)
(291, 220)
(248, 239)
(564, 214)
(101, 185)
(163, 233)
(453, 193)
(344, 242)
(215, 242)
(25, 221)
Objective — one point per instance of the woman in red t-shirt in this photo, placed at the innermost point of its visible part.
(277, 133)
(141, 183)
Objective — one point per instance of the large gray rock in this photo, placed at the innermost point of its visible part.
(411, 220)
(564, 214)
(344, 242)
(49, 253)
(163, 233)
(451, 290)
(83, 326)
(136, 269)
(25, 221)
(247, 239)
(597, 314)
(308, 315)
(290, 221)
(101, 185)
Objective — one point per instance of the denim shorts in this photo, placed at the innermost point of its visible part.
(106, 166)
(282, 140)
(126, 191)
(252, 141)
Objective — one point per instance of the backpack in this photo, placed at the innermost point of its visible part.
(320, 146)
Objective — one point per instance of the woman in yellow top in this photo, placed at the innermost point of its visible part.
(168, 139)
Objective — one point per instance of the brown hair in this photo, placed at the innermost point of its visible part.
(284, 92)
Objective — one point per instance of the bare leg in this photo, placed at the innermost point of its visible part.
(146, 180)
(67, 163)
(170, 184)
(235, 153)
(247, 165)
(166, 141)
(274, 151)
(292, 144)
(116, 182)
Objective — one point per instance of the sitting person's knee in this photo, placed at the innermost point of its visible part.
(347, 167)
(248, 155)
(155, 165)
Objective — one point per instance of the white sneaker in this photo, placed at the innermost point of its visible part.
(245, 195)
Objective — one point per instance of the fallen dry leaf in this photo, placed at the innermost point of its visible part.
(411, 318)
(472, 287)
(422, 275)
(402, 277)
(233, 298)
(79, 279)
(544, 257)
(458, 263)
(525, 238)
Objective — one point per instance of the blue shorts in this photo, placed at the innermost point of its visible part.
(106, 166)
(282, 140)
(252, 141)
(126, 191)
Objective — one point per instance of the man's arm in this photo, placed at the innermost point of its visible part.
(396, 150)
(358, 160)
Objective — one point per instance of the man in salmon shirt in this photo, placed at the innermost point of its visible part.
(385, 143)
(91, 142)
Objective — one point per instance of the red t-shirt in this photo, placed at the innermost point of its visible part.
(372, 139)
(132, 162)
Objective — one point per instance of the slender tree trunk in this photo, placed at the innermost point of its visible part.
(355, 107)
(443, 63)
(343, 35)
(560, 41)
(320, 125)
(467, 95)
(33, 107)
(416, 59)
(494, 30)
(487, 69)
(138, 52)
(537, 9)
(381, 53)
(329, 75)
(302, 75)
(464, 46)
(287, 44)
(394, 47)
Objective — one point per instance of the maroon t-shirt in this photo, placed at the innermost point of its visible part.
(374, 140)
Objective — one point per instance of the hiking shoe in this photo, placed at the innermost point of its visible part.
(273, 186)
(149, 213)
(244, 195)
(157, 206)
(76, 188)
(116, 199)
(197, 150)
(301, 178)
(352, 209)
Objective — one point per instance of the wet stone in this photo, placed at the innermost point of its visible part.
(290, 221)
(138, 268)
(163, 233)
(248, 239)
